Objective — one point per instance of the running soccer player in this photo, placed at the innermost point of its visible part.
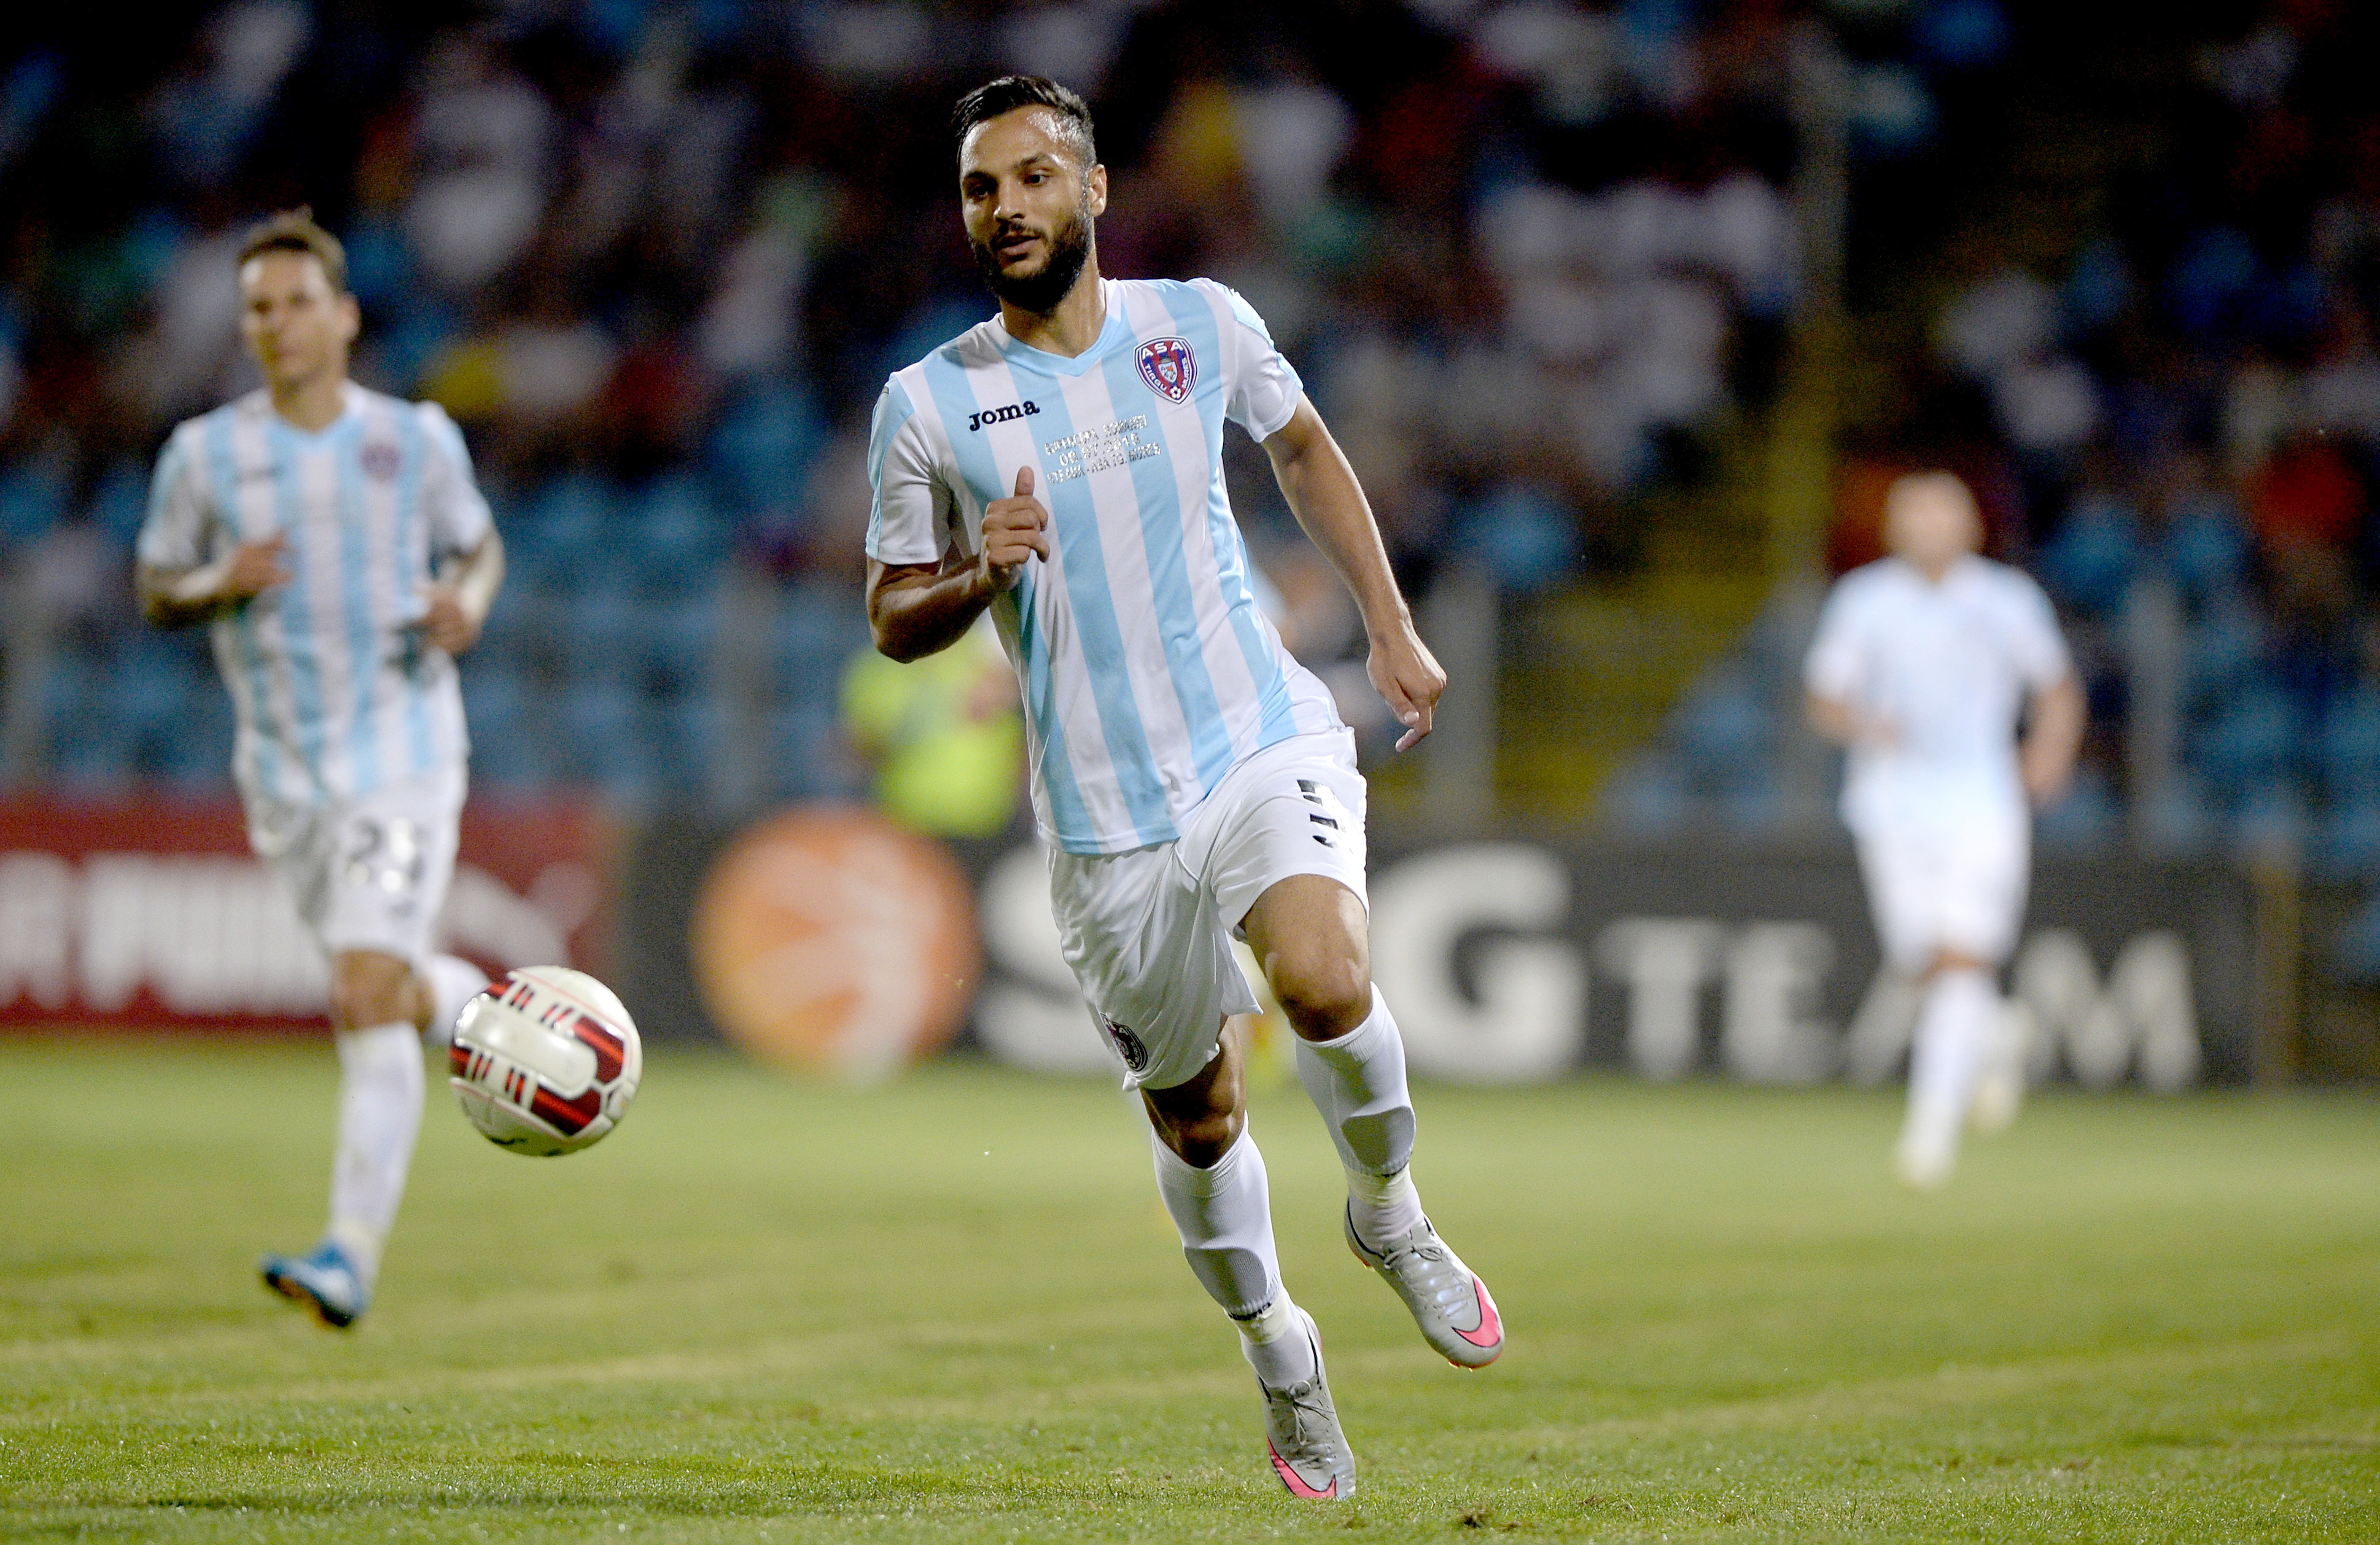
(1922, 664)
(1061, 465)
(336, 543)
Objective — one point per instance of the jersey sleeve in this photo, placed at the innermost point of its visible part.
(911, 516)
(2038, 648)
(1263, 390)
(1834, 667)
(174, 535)
(459, 514)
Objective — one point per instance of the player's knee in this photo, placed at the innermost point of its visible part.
(1202, 1138)
(368, 989)
(1325, 995)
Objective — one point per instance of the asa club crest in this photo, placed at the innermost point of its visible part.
(1169, 368)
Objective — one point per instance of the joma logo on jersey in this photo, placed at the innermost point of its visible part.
(1001, 414)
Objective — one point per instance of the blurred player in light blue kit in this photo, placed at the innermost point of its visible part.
(334, 540)
(1922, 665)
(1059, 466)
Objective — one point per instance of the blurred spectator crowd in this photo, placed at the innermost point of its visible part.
(2192, 409)
(2176, 427)
(657, 258)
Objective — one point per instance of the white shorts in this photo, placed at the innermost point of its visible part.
(1961, 890)
(368, 873)
(1148, 933)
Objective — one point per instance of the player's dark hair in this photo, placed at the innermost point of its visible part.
(1009, 92)
(292, 230)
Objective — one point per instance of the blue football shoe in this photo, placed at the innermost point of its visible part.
(325, 1282)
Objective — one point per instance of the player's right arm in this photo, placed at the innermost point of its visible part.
(1833, 674)
(1846, 724)
(915, 610)
(177, 580)
(172, 597)
(924, 588)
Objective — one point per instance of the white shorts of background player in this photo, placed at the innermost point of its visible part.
(1936, 889)
(1148, 933)
(369, 873)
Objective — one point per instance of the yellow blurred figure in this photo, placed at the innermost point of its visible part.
(942, 733)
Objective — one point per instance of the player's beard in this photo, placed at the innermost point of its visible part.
(1040, 292)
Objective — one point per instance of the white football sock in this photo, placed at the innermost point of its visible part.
(1358, 1084)
(452, 981)
(380, 1111)
(1224, 1217)
(1275, 1343)
(1955, 1027)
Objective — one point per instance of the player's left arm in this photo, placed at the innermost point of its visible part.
(2056, 714)
(464, 593)
(459, 597)
(1329, 504)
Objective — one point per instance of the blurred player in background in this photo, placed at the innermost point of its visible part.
(1060, 466)
(334, 540)
(1923, 665)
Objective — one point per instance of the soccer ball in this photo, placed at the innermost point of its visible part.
(545, 1062)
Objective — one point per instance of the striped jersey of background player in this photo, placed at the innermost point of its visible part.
(1922, 665)
(334, 541)
(1060, 466)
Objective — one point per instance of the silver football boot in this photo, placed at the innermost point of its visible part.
(1448, 1300)
(1302, 1433)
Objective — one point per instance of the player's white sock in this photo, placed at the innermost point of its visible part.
(1955, 1027)
(380, 1111)
(1358, 1084)
(452, 981)
(1224, 1216)
(1273, 1341)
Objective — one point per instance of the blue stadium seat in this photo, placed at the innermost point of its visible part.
(678, 541)
(677, 640)
(806, 756)
(32, 501)
(760, 453)
(2222, 652)
(2178, 822)
(119, 504)
(593, 739)
(2090, 816)
(596, 629)
(524, 615)
(2271, 819)
(2345, 844)
(573, 519)
(89, 747)
(1756, 805)
(2090, 563)
(2254, 739)
(2349, 750)
(1525, 538)
(156, 690)
(495, 708)
(819, 628)
(196, 758)
(1648, 797)
(1725, 730)
(686, 735)
(2206, 551)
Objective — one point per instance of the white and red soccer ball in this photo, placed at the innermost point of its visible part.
(545, 1062)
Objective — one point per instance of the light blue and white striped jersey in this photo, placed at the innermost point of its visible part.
(1148, 667)
(336, 692)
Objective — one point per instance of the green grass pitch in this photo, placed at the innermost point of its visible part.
(951, 1310)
